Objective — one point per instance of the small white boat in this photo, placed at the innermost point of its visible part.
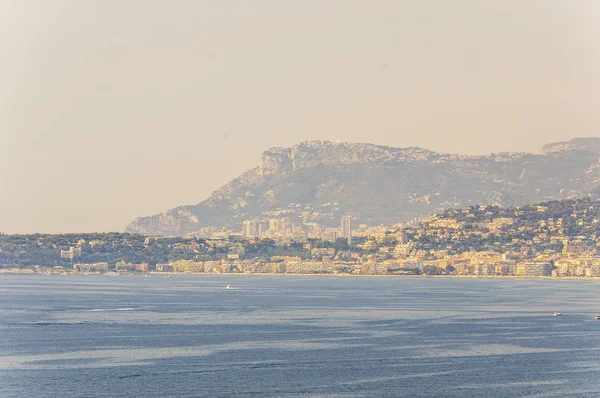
(228, 287)
(597, 317)
(557, 314)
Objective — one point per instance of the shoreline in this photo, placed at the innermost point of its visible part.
(154, 273)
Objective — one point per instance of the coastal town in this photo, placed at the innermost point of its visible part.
(552, 239)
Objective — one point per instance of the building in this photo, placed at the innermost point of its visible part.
(211, 266)
(330, 234)
(280, 227)
(306, 267)
(164, 268)
(374, 268)
(300, 237)
(72, 253)
(252, 229)
(196, 266)
(534, 269)
(346, 229)
(402, 250)
(122, 266)
(595, 271)
(483, 269)
(461, 268)
(504, 268)
(142, 267)
(150, 239)
(564, 268)
(180, 266)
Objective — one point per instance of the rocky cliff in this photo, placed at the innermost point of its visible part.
(319, 181)
(576, 144)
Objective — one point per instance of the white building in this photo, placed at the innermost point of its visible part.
(72, 253)
(252, 229)
(346, 228)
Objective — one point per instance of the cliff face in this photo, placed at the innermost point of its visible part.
(276, 160)
(318, 182)
(577, 144)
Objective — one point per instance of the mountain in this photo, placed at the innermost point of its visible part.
(320, 181)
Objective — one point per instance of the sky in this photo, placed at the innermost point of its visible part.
(112, 109)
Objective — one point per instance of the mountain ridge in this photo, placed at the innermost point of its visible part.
(316, 182)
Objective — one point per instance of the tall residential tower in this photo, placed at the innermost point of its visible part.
(346, 229)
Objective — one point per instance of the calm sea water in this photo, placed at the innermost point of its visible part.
(268, 336)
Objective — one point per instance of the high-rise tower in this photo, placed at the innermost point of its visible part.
(346, 229)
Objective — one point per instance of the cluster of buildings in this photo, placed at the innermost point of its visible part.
(91, 267)
(122, 266)
(327, 261)
(276, 265)
(401, 259)
(560, 239)
(274, 227)
(584, 266)
(102, 267)
(283, 227)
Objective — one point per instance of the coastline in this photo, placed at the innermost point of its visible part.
(17, 271)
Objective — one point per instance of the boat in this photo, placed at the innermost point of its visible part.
(557, 314)
(228, 287)
(597, 317)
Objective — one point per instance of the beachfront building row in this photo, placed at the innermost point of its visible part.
(347, 264)
(295, 265)
(352, 265)
(91, 267)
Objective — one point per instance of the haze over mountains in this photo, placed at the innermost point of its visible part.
(317, 182)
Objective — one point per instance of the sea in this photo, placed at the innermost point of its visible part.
(297, 336)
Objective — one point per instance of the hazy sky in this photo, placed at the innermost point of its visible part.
(113, 109)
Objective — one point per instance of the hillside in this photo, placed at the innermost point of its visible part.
(536, 229)
(319, 181)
